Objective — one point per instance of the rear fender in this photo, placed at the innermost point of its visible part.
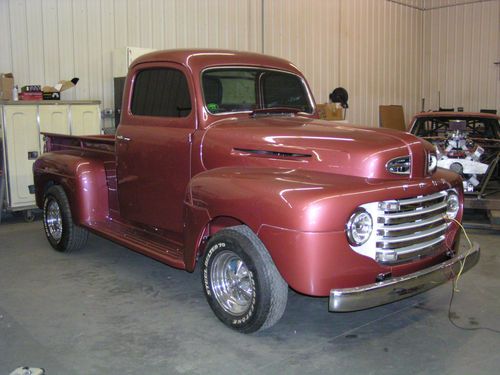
(83, 180)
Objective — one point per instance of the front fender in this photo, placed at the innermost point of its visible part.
(311, 208)
(256, 196)
(298, 199)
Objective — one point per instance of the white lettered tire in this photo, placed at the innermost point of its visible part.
(241, 282)
(62, 233)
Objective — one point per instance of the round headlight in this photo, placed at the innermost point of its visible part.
(452, 205)
(359, 227)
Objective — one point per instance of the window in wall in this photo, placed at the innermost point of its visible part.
(161, 92)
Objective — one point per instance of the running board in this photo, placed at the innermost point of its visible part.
(141, 241)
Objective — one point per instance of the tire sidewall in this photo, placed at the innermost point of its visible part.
(58, 245)
(247, 321)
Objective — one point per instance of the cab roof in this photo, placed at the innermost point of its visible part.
(199, 59)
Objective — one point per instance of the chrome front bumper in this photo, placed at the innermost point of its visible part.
(376, 294)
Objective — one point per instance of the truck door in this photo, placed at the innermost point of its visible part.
(153, 146)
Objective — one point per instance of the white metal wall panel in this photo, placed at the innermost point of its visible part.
(374, 48)
(379, 57)
(307, 33)
(65, 39)
(18, 32)
(5, 38)
(43, 41)
(461, 44)
(78, 36)
(35, 41)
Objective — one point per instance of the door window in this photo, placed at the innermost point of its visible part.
(161, 92)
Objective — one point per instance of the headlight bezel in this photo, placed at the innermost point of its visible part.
(432, 162)
(454, 199)
(356, 238)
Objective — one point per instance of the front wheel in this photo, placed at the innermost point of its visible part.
(62, 233)
(241, 282)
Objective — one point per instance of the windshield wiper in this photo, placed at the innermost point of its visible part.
(275, 111)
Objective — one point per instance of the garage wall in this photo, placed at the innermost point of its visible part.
(308, 34)
(43, 41)
(373, 48)
(380, 57)
(363, 45)
(461, 44)
(366, 46)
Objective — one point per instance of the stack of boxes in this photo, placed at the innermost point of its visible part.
(8, 91)
(31, 92)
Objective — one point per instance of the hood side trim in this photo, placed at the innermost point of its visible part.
(272, 153)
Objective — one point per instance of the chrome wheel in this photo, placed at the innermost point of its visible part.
(53, 220)
(232, 283)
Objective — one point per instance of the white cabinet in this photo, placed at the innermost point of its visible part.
(85, 120)
(20, 126)
(54, 118)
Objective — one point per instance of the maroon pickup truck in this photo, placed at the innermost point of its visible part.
(220, 159)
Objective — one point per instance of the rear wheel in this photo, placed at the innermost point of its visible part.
(241, 282)
(61, 231)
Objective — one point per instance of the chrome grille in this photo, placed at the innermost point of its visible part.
(411, 228)
(406, 229)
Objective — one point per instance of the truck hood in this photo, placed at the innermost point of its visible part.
(305, 143)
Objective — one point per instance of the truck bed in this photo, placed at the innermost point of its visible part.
(95, 143)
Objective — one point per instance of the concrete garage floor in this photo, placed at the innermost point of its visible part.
(107, 310)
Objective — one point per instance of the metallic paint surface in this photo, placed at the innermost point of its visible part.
(83, 179)
(297, 205)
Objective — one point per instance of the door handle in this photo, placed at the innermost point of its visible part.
(122, 138)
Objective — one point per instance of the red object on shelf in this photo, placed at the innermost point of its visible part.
(37, 95)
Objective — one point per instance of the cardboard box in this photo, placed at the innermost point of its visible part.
(392, 117)
(52, 95)
(330, 111)
(31, 88)
(54, 92)
(31, 95)
(6, 86)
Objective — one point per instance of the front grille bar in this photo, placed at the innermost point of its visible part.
(414, 251)
(426, 210)
(426, 198)
(404, 226)
(415, 236)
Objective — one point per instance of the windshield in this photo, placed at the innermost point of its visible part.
(244, 89)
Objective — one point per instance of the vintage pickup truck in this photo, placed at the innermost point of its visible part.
(220, 160)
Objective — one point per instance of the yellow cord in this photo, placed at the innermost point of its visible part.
(462, 262)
